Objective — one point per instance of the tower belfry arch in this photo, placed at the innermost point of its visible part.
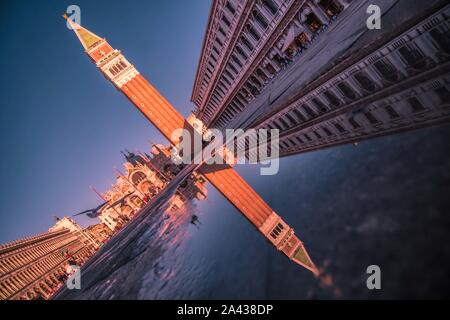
(117, 69)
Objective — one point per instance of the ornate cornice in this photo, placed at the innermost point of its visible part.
(203, 57)
(253, 65)
(229, 49)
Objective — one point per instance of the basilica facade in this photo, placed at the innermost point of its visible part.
(144, 176)
(35, 267)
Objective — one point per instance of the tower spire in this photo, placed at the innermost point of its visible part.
(87, 38)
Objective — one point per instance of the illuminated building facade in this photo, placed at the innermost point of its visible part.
(313, 70)
(35, 267)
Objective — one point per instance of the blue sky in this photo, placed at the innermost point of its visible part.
(62, 123)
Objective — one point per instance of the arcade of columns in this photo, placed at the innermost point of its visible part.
(396, 83)
(34, 267)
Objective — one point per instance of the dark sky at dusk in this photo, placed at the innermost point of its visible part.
(62, 123)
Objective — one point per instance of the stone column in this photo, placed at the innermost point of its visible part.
(278, 122)
(426, 48)
(373, 74)
(242, 101)
(46, 265)
(278, 50)
(17, 285)
(10, 264)
(351, 82)
(3, 294)
(248, 97)
(228, 78)
(7, 288)
(40, 268)
(11, 285)
(397, 62)
(36, 272)
(303, 29)
(323, 101)
(334, 90)
(229, 17)
(265, 13)
(228, 114)
(3, 267)
(274, 65)
(255, 83)
(433, 101)
(258, 28)
(246, 50)
(45, 290)
(221, 37)
(53, 279)
(250, 38)
(220, 123)
(19, 280)
(22, 258)
(239, 57)
(263, 70)
(27, 275)
(17, 261)
(234, 64)
(236, 104)
(27, 257)
(318, 12)
(342, 3)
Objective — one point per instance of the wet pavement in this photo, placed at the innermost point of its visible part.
(383, 202)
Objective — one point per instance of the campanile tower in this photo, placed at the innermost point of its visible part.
(117, 69)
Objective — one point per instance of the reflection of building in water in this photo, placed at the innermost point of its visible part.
(34, 267)
(312, 69)
(247, 44)
(144, 177)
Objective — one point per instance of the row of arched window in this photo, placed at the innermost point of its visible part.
(117, 68)
(21, 279)
(262, 75)
(28, 255)
(414, 103)
(365, 86)
(242, 50)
